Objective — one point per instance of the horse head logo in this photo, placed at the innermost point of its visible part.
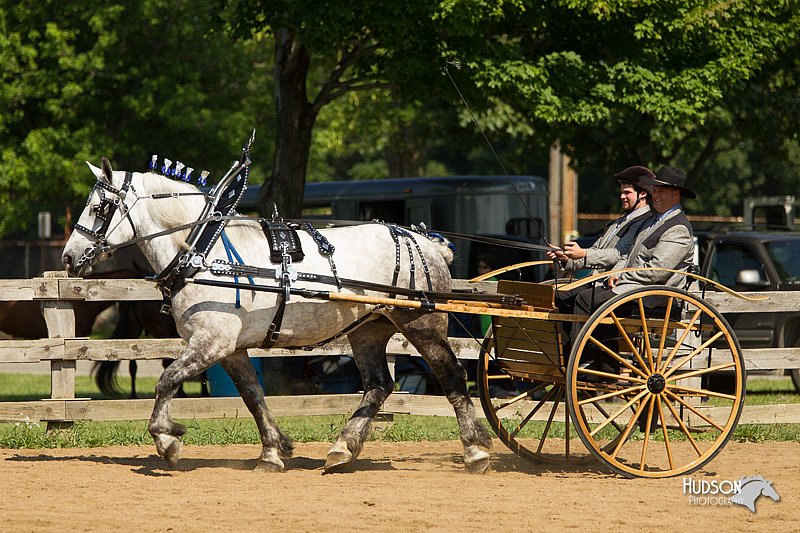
(751, 488)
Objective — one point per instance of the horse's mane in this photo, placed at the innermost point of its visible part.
(171, 212)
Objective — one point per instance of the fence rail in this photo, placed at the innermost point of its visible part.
(62, 349)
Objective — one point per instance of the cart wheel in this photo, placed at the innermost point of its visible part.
(528, 416)
(649, 373)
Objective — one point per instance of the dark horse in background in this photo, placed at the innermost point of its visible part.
(135, 319)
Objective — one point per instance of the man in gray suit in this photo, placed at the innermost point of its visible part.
(618, 237)
(664, 241)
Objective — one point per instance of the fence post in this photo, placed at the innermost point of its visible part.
(60, 319)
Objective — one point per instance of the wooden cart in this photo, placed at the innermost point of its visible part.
(652, 383)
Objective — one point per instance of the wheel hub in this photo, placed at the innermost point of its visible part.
(656, 383)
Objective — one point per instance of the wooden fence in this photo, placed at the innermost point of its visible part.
(62, 349)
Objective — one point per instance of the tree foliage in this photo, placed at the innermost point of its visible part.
(357, 90)
(81, 80)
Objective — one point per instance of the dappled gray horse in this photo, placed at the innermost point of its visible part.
(216, 331)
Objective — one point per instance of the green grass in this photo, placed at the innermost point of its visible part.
(22, 387)
(34, 387)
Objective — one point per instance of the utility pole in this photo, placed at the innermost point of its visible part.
(563, 197)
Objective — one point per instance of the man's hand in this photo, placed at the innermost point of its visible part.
(556, 253)
(573, 250)
(612, 282)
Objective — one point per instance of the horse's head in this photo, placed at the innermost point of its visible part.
(102, 224)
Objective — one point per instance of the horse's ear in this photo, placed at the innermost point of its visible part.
(95, 170)
(107, 172)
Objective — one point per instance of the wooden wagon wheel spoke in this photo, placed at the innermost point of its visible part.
(521, 396)
(700, 392)
(664, 431)
(627, 339)
(617, 413)
(691, 354)
(593, 399)
(647, 350)
(651, 401)
(607, 375)
(664, 330)
(566, 424)
(550, 418)
(629, 426)
(678, 344)
(616, 356)
(693, 409)
(699, 372)
(684, 428)
(533, 411)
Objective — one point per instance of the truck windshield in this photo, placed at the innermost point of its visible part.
(785, 255)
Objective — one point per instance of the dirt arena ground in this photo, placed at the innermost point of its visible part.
(395, 487)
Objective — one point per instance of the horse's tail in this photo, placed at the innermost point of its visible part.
(105, 375)
(444, 246)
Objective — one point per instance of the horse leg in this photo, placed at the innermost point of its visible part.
(204, 392)
(202, 351)
(133, 367)
(274, 444)
(369, 352)
(428, 334)
(181, 393)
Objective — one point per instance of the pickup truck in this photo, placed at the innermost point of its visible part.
(751, 260)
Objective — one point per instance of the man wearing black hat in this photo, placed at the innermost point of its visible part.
(634, 192)
(664, 241)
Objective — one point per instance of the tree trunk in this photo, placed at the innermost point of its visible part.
(403, 156)
(295, 121)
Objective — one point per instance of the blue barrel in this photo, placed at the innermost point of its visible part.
(221, 384)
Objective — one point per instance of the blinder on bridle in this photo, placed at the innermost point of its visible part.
(104, 212)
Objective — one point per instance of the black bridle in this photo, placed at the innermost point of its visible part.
(104, 212)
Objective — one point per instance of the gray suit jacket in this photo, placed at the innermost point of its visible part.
(613, 244)
(665, 243)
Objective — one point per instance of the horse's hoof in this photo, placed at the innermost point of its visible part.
(337, 462)
(476, 460)
(269, 468)
(477, 467)
(173, 453)
(169, 448)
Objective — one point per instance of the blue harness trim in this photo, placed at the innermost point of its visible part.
(231, 251)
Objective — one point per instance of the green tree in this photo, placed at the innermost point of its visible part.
(656, 83)
(80, 80)
(618, 83)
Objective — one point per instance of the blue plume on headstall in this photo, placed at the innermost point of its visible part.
(178, 171)
(440, 238)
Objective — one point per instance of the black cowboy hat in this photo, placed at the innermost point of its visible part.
(637, 175)
(673, 178)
